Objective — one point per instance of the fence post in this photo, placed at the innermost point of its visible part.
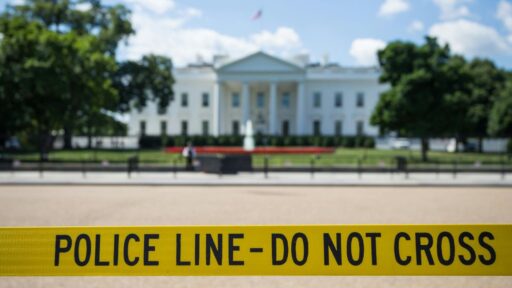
(454, 172)
(265, 166)
(41, 169)
(437, 169)
(136, 164)
(220, 170)
(174, 168)
(502, 169)
(392, 168)
(312, 167)
(359, 168)
(12, 166)
(129, 167)
(83, 169)
(406, 170)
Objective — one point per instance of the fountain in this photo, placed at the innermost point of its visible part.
(248, 138)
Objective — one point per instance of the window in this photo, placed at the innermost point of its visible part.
(205, 100)
(317, 100)
(360, 99)
(163, 127)
(360, 128)
(235, 100)
(338, 128)
(285, 100)
(260, 100)
(142, 128)
(316, 128)
(236, 128)
(184, 100)
(338, 100)
(205, 128)
(184, 128)
(161, 110)
(285, 128)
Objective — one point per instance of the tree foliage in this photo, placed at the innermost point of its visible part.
(434, 93)
(500, 122)
(58, 68)
(413, 104)
(149, 79)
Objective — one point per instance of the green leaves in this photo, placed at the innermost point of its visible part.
(57, 63)
(500, 122)
(149, 79)
(435, 93)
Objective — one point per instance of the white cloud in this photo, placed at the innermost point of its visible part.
(504, 14)
(471, 38)
(159, 7)
(391, 7)
(284, 38)
(453, 9)
(170, 36)
(416, 26)
(191, 12)
(364, 50)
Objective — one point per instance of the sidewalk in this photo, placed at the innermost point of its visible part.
(257, 179)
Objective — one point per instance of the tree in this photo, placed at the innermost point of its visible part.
(53, 68)
(100, 29)
(486, 85)
(149, 79)
(457, 99)
(500, 120)
(414, 105)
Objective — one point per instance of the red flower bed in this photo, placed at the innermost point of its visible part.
(257, 150)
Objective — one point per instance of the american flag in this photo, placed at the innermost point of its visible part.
(257, 15)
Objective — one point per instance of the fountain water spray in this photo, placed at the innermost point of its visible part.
(248, 138)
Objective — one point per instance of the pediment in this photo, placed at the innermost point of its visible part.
(260, 62)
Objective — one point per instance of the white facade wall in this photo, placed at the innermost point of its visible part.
(259, 72)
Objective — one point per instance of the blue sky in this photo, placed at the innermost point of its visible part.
(348, 31)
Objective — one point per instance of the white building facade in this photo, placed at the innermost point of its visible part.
(279, 96)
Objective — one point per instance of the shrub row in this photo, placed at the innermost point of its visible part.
(152, 142)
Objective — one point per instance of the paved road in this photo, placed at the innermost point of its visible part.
(173, 205)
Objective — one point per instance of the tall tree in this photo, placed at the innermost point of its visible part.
(105, 27)
(414, 105)
(500, 119)
(149, 79)
(456, 100)
(486, 86)
(57, 61)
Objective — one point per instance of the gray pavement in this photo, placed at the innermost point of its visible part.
(258, 179)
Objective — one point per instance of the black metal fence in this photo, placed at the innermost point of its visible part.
(268, 165)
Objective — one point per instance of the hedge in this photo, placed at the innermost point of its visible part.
(156, 142)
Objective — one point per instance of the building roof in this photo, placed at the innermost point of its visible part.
(300, 62)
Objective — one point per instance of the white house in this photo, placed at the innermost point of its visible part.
(280, 96)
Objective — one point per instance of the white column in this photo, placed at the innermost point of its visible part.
(272, 109)
(246, 105)
(216, 108)
(301, 105)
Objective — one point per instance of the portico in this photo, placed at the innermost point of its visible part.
(270, 94)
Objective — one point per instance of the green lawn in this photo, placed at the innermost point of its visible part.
(382, 158)
(342, 157)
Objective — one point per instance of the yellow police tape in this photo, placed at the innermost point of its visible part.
(258, 250)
